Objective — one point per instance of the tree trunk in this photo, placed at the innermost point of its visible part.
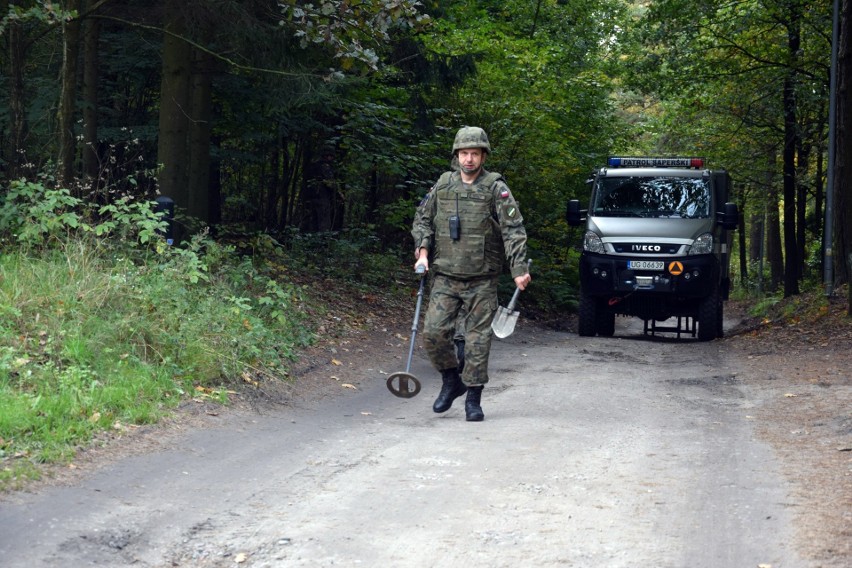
(200, 129)
(819, 192)
(802, 166)
(215, 185)
(273, 194)
(791, 250)
(843, 154)
(172, 145)
(757, 235)
(91, 73)
(741, 241)
(283, 190)
(68, 96)
(774, 255)
(14, 151)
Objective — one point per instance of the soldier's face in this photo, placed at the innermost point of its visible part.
(471, 159)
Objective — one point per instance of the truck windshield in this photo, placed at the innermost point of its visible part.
(673, 197)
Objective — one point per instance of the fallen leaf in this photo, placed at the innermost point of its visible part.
(349, 386)
(335, 362)
(366, 414)
(791, 395)
(240, 558)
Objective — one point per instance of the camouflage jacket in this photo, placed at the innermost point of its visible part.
(492, 228)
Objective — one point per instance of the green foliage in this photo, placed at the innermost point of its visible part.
(762, 307)
(101, 334)
(35, 214)
(708, 78)
(386, 82)
(50, 15)
(349, 30)
(357, 256)
(541, 92)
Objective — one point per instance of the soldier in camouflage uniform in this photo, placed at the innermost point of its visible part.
(465, 229)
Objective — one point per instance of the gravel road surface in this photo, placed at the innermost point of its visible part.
(595, 452)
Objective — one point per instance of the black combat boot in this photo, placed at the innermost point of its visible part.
(471, 405)
(452, 389)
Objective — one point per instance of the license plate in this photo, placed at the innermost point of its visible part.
(645, 264)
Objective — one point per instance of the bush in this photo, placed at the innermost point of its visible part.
(105, 325)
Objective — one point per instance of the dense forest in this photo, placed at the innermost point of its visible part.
(330, 119)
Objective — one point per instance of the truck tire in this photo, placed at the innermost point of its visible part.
(708, 316)
(587, 316)
(720, 316)
(604, 321)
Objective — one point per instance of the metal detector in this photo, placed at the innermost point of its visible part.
(404, 379)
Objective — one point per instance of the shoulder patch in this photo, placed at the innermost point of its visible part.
(505, 193)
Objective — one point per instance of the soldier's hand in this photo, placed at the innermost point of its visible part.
(422, 264)
(523, 281)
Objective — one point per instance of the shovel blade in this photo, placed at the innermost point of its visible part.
(504, 322)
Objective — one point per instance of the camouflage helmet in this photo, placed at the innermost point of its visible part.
(471, 137)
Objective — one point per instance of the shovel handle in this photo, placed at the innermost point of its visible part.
(514, 299)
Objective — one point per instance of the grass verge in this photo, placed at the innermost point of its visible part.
(94, 338)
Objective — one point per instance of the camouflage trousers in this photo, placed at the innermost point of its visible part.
(477, 299)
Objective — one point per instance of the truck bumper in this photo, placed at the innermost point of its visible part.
(681, 278)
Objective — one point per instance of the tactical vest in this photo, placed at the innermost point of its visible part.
(479, 250)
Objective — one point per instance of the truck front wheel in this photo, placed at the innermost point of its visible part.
(720, 316)
(709, 311)
(587, 315)
(605, 321)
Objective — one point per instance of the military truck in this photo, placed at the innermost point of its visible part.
(656, 246)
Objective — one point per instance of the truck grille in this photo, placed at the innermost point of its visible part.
(646, 248)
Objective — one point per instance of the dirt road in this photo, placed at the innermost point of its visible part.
(618, 452)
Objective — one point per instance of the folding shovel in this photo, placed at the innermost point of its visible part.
(505, 319)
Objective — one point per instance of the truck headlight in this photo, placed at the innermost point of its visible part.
(702, 245)
(592, 242)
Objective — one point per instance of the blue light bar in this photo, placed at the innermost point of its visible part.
(625, 162)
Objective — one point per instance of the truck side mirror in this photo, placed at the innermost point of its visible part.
(574, 215)
(729, 217)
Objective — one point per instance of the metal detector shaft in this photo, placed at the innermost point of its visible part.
(414, 324)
